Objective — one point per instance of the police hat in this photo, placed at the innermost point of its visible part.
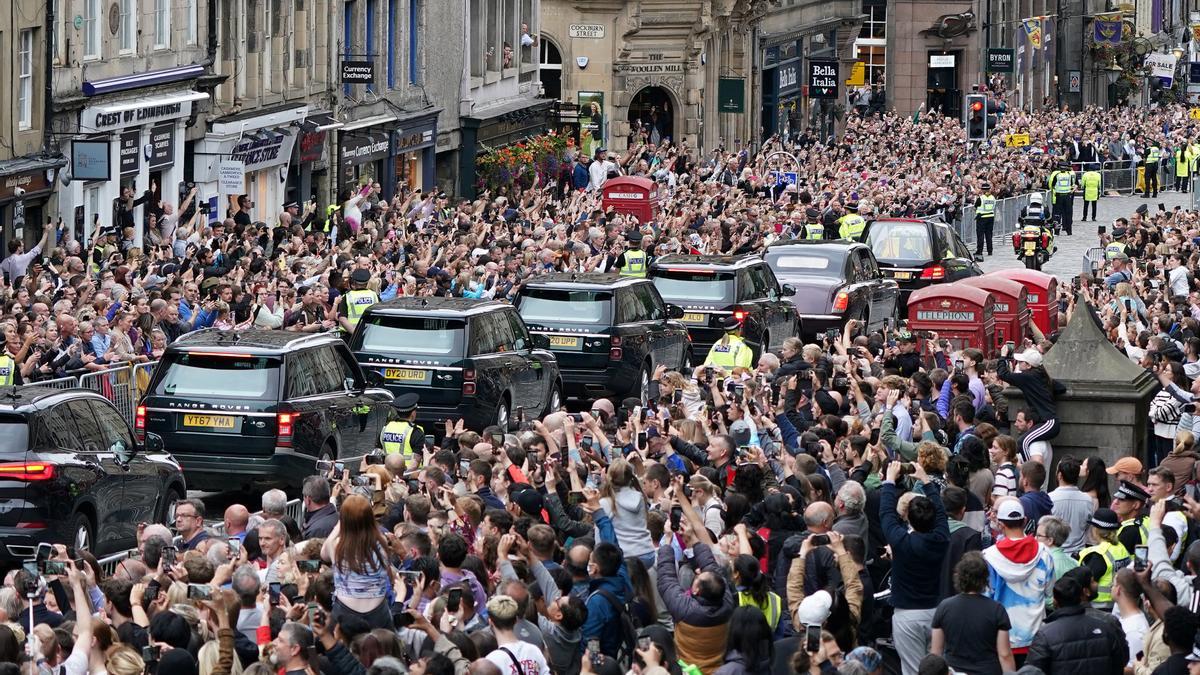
(731, 323)
(812, 214)
(1118, 232)
(1104, 519)
(1131, 492)
(634, 237)
(405, 403)
(360, 276)
(1142, 209)
(291, 205)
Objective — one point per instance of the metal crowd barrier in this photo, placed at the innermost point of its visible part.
(1007, 218)
(122, 384)
(1121, 176)
(1093, 259)
(109, 564)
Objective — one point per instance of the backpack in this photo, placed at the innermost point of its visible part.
(626, 626)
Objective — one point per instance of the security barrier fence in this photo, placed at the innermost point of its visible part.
(123, 384)
(1007, 218)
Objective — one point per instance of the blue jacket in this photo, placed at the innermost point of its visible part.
(601, 617)
(914, 554)
(579, 177)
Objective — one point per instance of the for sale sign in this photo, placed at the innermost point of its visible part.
(822, 79)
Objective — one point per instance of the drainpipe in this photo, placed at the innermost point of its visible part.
(48, 97)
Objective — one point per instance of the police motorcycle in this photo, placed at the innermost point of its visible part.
(1033, 244)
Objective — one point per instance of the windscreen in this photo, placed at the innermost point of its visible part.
(412, 335)
(220, 375)
(542, 305)
(684, 287)
(807, 264)
(14, 437)
(900, 242)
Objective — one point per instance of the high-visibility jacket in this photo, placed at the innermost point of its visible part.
(357, 303)
(93, 266)
(1140, 524)
(8, 369)
(1091, 185)
(1182, 165)
(1114, 249)
(730, 352)
(635, 263)
(771, 609)
(1116, 558)
(851, 226)
(987, 206)
(814, 231)
(396, 437)
(1153, 155)
(1062, 182)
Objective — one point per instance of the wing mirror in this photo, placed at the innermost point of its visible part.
(788, 290)
(541, 341)
(674, 311)
(153, 443)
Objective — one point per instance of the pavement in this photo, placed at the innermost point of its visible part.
(1067, 262)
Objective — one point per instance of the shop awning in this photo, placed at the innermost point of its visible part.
(372, 121)
(321, 121)
(139, 80)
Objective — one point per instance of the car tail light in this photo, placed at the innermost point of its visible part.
(935, 273)
(139, 423)
(615, 353)
(285, 429)
(841, 301)
(26, 471)
(740, 314)
(468, 388)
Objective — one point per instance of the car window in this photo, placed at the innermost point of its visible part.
(769, 278)
(60, 427)
(858, 266)
(746, 290)
(520, 333)
(86, 427)
(219, 375)
(346, 363)
(689, 287)
(329, 370)
(764, 282)
(14, 436)
(870, 265)
(651, 303)
(111, 425)
(549, 305)
(901, 241)
(410, 335)
(960, 247)
(303, 378)
(492, 334)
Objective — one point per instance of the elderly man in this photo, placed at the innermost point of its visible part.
(274, 504)
(237, 518)
(850, 500)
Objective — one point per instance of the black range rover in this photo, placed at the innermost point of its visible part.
(710, 288)
(608, 332)
(260, 407)
(466, 358)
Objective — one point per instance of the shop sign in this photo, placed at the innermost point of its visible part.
(591, 122)
(31, 181)
(648, 68)
(262, 150)
(231, 177)
(941, 60)
(90, 160)
(361, 149)
(312, 146)
(788, 76)
(131, 151)
(822, 79)
(592, 31)
(102, 119)
(162, 146)
(407, 141)
(358, 72)
(731, 95)
(1000, 60)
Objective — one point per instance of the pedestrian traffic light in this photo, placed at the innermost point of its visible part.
(976, 117)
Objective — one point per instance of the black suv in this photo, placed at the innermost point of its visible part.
(919, 253)
(466, 358)
(71, 473)
(608, 332)
(710, 288)
(260, 407)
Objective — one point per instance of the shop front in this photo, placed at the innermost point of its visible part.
(414, 151)
(309, 170)
(261, 141)
(495, 128)
(781, 89)
(125, 143)
(363, 152)
(25, 185)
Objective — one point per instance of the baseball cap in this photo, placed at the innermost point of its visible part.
(1121, 256)
(1125, 465)
(1105, 519)
(740, 431)
(1031, 356)
(1010, 509)
(814, 609)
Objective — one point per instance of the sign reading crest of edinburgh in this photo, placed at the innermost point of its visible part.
(822, 79)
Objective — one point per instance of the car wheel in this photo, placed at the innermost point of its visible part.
(644, 384)
(174, 496)
(502, 414)
(686, 368)
(83, 537)
(554, 401)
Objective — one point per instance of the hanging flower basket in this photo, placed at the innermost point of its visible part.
(533, 161)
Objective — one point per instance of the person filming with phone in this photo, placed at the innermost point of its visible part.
(1038, 388)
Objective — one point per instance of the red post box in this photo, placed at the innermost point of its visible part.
(1012, 315)
(1041, 296)
(962, 314)
(634, 195)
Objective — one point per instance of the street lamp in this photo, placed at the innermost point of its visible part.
(1113, 71)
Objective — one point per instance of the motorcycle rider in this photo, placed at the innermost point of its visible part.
(1035, 209)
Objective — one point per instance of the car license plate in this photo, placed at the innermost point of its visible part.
(564, 341)
(209, 421)
(902, 275)
(404, 374)
(694, 317)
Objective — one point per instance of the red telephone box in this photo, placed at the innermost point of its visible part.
(959, 313)
(1041, 295)
(1012, 316)
(637, 196)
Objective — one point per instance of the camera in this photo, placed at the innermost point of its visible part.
(819, 540)
(200, 592)
(53, 568)
(19, 192)
(454, 599)
(374, 458)
(273, 593)
(309, 566)
(907, 469)
(361, 481)
(151, 653)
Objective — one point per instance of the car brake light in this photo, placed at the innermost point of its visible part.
(468, 388)
(139, 423)
(27, 471)
(841, 302)
(935, 273)
(616, 352)
(740, 314)
(285, 429)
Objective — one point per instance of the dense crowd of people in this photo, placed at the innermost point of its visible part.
(865, 503)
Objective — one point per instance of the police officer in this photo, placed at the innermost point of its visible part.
(985, 219)
(633, 261)
(401, 434)
(1127, 503)
(851, 225)
(813, 229)
(1090, 180)
(1034, 210)
(1117, 246)
(1151, 161)
(1062, 185)
(1107, 557)
(1183, 167)
(8, 370)
(102, 246)
(731, 351)
(356, 302)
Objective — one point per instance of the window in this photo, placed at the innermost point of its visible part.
(519, 332)
(60, 427)
(86, 427)
(162, 24)
(189, 22)
(372, 9)
(128, 25)
(205, 375)
(526, 32)
(91, 29)
(543, 305)
(270, 16)
(478, 45)
(495, 20)
(390, 65)
(410, 335)
(416, 20)
(651, 303)
(872, 40)
(111, 425)
(347, 36)
(25, 80)
(59, 37)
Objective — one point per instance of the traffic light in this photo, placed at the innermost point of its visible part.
(976, 116)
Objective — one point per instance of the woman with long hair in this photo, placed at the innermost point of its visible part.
(1007, 476)
(1093, 476)
(643, 607)
(1039, 390)
(358, 554)
(750, 647)
(625, 502)
(754, 589)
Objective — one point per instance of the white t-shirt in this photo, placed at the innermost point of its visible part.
(532, 661)
(1179, 281)
(1135, 627)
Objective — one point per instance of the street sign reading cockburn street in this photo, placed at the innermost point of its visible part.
(822, 79)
